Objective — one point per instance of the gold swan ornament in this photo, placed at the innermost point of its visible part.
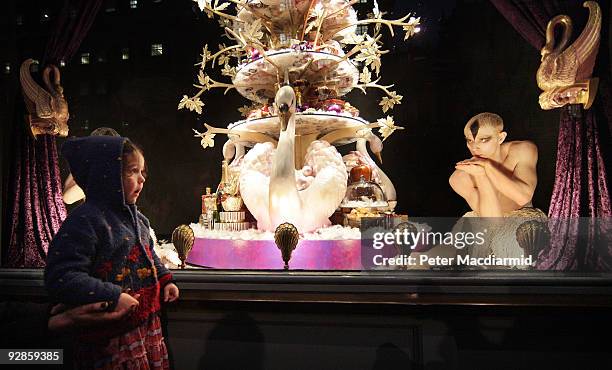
(565, 73)
(47, 108)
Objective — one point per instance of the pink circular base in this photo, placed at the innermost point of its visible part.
(264, 255)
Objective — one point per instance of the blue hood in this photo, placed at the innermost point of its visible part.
(96, 165)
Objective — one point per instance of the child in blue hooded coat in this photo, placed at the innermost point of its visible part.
(103, 252)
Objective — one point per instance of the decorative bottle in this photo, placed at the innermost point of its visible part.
(209, 207)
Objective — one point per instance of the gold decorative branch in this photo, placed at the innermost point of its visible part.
(239, 136)
(207, 83)
(210, 9)
(222, 51)
(375, 84)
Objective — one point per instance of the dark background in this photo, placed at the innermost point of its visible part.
(467, 59)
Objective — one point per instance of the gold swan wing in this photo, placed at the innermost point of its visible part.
(565, 74)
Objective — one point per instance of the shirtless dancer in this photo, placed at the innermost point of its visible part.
(497, 181)
(500, 177)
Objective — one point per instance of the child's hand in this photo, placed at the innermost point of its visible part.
(126, 301)
(171, 293)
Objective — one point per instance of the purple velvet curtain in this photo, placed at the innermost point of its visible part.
(581, 186)
(35, 186)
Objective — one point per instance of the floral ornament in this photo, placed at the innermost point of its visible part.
(207, 138)
(124, 272)
(253, 31)
(247, 109)
(387, 127)
(205, 56)
(228, 70)
(353, 39)
(244, 110)
(370, 54)
(224, 22)
(412, 27)
(212, 7)
(193, 104)
(365, 76)
(388, 102)
(377, 14)
(316, 13)
(204, 80)
(143, 273)
(224, 58)
(135, 254)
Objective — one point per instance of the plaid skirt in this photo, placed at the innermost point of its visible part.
(142, 348)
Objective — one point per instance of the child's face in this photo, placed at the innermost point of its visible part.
(133, 176)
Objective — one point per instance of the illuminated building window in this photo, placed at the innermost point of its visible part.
(110, 6)
(7, 68)
(85, 58)
(361, 29)
(19, 20)
(125, 54)
(157, 49)
(133, 4)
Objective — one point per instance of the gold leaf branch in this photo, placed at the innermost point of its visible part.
(208, 7)
(387, 127)
(386, 22)
(320, 23)
(222, 51)
(375, 84)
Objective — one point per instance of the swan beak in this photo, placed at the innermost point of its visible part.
(379, 156)
(283, 114)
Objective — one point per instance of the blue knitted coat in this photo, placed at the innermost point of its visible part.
(104, 247)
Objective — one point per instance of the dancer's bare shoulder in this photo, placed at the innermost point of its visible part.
(521, 152)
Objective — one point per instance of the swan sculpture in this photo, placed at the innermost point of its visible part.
(565, 72)
(272, 189)
(361, 155)
(233, 152)
(47, 108)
